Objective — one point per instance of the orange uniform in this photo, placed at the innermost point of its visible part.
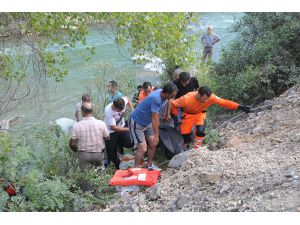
(143, 95)
(194, 111)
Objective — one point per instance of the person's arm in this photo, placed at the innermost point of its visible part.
(167, 113)
(130, 104)
(105, 133)
(73, 144)
(74, 138)
(155, 127)
(225, 103)
(216, 39)
(77, 116)
(119, 129)
(202, 40)
(197, 86)
(155, 108)
(179, 102)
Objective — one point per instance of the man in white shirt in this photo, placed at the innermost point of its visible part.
(114, 114)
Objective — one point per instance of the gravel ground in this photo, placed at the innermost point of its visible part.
(255, 168)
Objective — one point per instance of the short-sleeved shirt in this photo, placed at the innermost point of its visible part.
(90, 133)
(143, 112)
(210, 39)
(118, 94)
(114, 118)
(192, 86)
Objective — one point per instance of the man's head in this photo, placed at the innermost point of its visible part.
(169, 91)
(184, 78)
(86, 109)
(147, 88)
(204, 93)
(139, 88)
(119, 104)
(210, 29)
(86, 98)
(112, 86)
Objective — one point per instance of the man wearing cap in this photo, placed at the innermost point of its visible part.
(114, 114)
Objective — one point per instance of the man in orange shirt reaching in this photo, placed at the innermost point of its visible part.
(194, 105)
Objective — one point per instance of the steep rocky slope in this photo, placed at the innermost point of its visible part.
(257, 169)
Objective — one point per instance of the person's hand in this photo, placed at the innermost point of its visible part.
(156, 139)
(245, 108)
(166, 119)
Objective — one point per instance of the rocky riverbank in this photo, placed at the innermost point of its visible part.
(257, 168)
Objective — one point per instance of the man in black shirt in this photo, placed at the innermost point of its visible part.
(185, 84)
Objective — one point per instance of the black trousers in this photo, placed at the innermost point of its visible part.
(117, 140)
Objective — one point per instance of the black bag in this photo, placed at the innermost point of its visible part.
(170, 141)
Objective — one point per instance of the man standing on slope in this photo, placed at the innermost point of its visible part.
(144, 123)
(194, 106)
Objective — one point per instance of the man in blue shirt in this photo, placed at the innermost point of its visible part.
(113, 90)
(144, 123)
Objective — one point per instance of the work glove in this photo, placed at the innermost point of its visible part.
(244, 108)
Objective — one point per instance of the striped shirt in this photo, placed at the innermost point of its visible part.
(89, 133)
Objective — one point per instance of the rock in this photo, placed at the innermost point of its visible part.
(233, 141)
(135, 208)
(182, 201)
(179, 160)
(154, 193)
(142, 200)
(224, 189)
(210, 177)
(262, 174)
(107, 210)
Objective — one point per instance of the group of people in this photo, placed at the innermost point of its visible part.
(181, 101)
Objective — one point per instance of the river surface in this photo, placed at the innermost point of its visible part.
(64, 95)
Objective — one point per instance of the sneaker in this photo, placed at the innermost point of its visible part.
(153, 167)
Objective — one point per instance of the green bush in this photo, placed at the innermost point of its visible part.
(47, 171)
(104, 72)
(264, 59)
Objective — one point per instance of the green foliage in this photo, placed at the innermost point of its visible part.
(43, 166)
(163, 35)
(37, 43)
(264, 59)
(97, 87)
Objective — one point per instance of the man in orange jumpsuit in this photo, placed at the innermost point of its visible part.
(194, 105)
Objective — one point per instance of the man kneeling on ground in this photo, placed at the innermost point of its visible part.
(144, 123)
(119, 134)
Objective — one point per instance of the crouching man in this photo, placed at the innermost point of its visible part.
(194, 106)
(144, 123)
(114, 114)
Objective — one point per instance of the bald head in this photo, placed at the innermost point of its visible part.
(86, 108)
